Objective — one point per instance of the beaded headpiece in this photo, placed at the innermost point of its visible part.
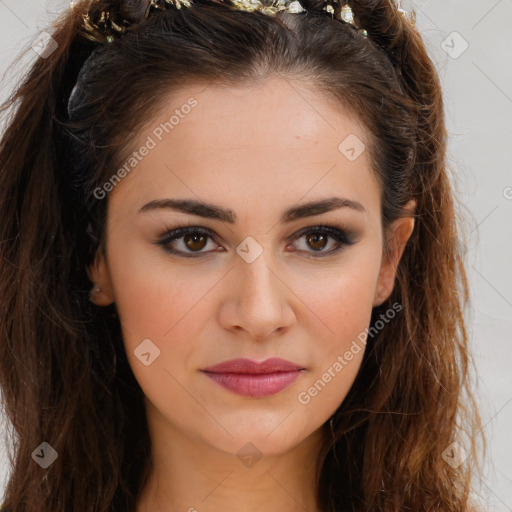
(104, 25)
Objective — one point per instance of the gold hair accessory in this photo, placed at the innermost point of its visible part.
(103, 25)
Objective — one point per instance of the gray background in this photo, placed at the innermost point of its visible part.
(478, 99)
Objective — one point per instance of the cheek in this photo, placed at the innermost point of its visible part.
(152, 302)
(161, 302)
(344, 309)
(343, 298)
(345, 301)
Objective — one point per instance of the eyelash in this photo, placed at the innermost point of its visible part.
(339, 235)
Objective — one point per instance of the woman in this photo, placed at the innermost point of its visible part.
(229, 273)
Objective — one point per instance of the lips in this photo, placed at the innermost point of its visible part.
(250, 378)
(272, 365)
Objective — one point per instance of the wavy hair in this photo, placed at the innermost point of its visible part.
(64, 376)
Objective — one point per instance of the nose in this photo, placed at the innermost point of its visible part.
(258, 300)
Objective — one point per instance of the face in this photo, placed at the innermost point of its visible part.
(260, 278)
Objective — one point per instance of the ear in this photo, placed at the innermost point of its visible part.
(396, 236)
(98, 272)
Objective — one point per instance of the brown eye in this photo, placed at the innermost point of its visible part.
(186, 242)
(317, 241)
(195, 242)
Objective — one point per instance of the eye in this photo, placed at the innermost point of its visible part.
(317, 238)
(192, 240)
(189, 242)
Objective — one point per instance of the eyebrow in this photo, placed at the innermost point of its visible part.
(211, 211)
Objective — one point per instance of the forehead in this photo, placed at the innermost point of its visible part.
(276, 141)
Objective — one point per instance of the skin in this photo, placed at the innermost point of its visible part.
(257, 151)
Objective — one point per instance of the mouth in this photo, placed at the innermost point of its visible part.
(250, 378)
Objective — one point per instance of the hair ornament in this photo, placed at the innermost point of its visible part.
(104, 25)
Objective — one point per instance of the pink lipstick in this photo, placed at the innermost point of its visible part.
(250, 378)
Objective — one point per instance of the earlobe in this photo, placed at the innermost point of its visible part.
(101, 292)
(397, 236)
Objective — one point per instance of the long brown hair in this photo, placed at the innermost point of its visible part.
(64, 376)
